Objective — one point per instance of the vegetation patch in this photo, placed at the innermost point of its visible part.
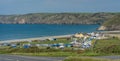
(87, 59)
(50, 54)
(113, 23)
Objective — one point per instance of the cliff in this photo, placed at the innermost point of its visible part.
(112, 23)
(108, 21)
(56, 18)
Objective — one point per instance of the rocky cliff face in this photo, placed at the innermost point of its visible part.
(56, 18)
(109, 21)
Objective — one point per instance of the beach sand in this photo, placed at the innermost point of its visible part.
(38, 38)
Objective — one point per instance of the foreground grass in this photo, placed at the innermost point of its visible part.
(48, 54)
(87, 59)
(35, 51)
(107, 46)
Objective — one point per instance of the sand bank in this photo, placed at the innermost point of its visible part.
(38, 38)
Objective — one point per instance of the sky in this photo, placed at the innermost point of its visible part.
(57, 6)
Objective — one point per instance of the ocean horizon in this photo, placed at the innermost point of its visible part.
(23, 31)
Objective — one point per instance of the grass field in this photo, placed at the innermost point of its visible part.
(50, 54)
(60, 40)
(108, 46)
(87, 59)
(103, 47)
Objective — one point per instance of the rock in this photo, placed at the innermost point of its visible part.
(102, 28)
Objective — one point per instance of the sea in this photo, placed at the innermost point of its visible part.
(22, 31)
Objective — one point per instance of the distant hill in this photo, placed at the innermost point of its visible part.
(56, 18)
(109, 21)
(112, 23)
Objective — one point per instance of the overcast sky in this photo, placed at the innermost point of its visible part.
(39, 6)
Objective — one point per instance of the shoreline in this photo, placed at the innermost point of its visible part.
(110, 33)
(37, 38)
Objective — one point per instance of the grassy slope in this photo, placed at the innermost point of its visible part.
(56, 18)
(113, 23)
(107, 47)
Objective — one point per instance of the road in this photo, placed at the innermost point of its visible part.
(33, 58)
(109, 57)
(28, 58)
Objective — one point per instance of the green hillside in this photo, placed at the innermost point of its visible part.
(113, 23)
(56, 18)
(110, 21)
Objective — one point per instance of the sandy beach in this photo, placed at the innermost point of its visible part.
(37, 38)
